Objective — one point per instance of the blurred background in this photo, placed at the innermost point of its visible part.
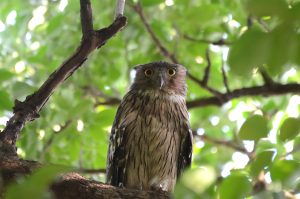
(246, 142)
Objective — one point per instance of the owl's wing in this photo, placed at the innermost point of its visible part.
(185, 153)
(116, 159)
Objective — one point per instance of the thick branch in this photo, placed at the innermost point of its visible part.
(265, 91)
(29, 109)
(222, 98)
(75, 186)
(70, 185)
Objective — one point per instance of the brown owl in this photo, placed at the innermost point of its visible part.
(151, 141)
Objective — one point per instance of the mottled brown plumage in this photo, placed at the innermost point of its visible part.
(151, 141)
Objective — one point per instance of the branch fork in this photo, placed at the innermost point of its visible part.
(29, 109)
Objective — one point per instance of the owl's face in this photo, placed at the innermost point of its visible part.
(162, 76)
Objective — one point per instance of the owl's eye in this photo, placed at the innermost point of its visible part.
(172, 71)
(148, 72)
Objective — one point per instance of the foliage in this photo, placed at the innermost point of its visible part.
(36, 185)
(36, 36)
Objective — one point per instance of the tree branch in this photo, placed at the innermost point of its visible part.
(120, 8)
(225, 80)
(220, 42)
(83, 188)
(225, 143)
(207, 69)
(49, 142)
(265, 91)
(71, 185)
(28, 110)
(222, 98)
(166, 53)
(267, 79)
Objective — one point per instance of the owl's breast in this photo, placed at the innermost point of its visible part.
(154, 123)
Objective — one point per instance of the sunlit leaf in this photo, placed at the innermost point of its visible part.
(195, 181)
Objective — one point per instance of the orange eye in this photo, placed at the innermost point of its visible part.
(172, 71)
(148, 72)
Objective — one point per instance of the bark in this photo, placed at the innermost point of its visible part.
(75, 186)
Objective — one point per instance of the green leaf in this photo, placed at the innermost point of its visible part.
(21, 90)
(235, 186)
(35, 186)
(5, 75)
(106, 117)
(296, 144)
(282, 37)
(282, 170)
(254, 128)
(5, 101)
(289, 129)
(250, 51)
(262, 160)
(296, 57)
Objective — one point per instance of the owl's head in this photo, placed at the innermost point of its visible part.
(160, 76)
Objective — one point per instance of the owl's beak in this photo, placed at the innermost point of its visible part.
(161, 82)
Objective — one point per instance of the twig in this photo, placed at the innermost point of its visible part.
(267, 79)
(51, 139)
(207, 69)
(108, 102)
(97, 95)
(220, 42)
(249, 22)
(162, 49)
(226, 143)
(28, 110)
(263, 24)
(204, 82)
(120, 8)
(205, 86)
(225, 80)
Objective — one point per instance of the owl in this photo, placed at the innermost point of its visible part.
(151, 141)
